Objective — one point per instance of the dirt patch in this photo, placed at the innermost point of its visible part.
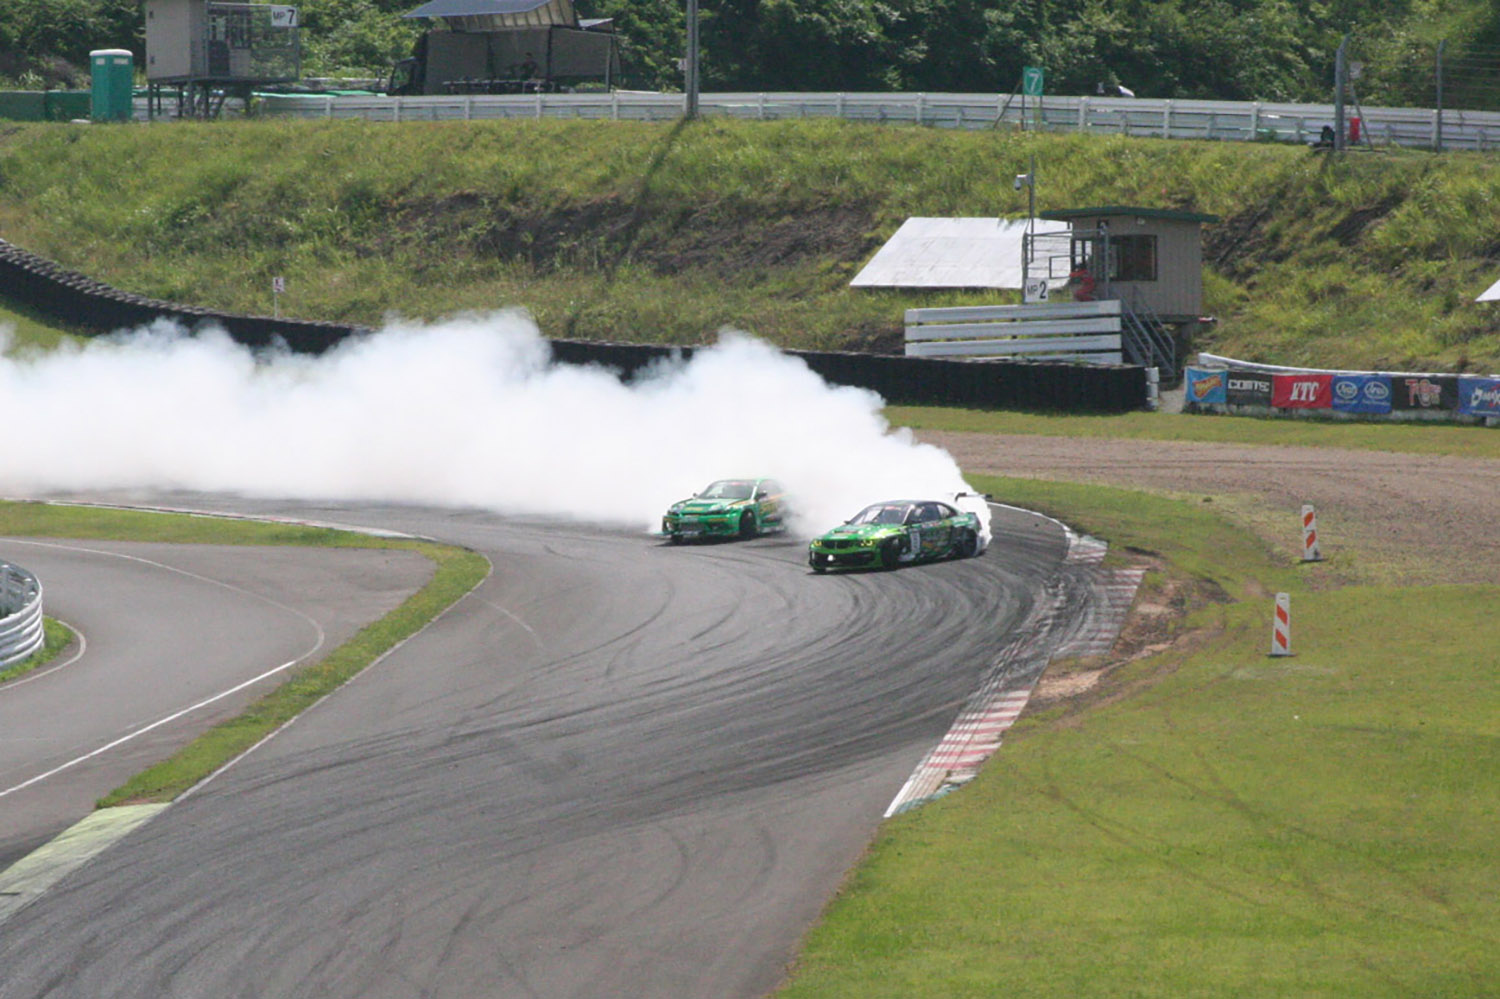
(1399, 519)
(1153, 626)
(603, 233)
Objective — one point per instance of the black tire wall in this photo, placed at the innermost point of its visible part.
(89, 306)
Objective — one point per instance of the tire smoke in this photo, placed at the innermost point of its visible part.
(465, 412)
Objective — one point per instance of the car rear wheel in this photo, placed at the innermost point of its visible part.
(967, 545)
(747, 524)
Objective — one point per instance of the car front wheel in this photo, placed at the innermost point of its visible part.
(747, 525)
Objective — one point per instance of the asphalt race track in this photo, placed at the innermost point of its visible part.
(618, 768)
(167, 628)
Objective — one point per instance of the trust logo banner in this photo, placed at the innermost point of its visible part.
(1302, 391)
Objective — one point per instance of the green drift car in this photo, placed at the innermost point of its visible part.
(894, 533)
(728, 508)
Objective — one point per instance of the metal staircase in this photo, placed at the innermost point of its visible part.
(1147, 340)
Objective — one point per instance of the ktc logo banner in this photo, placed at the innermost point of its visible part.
(1302, 391)
(1206, 387)
(1362, 393)
(1479, 396)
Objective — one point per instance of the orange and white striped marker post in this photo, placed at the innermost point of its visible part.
(1281, 626)
(1310, 550)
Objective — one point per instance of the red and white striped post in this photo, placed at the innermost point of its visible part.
(1310, 550)
(1281, 626)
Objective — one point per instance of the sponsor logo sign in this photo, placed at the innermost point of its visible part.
(1362, 393)
(1479, 396)
(1248, 388)
(1207, 387)
(1302, 391)
(1424, 392)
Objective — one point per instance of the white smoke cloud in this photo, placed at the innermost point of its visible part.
(466, 412)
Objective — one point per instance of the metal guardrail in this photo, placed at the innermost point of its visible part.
(21, 632)
(1170, 119)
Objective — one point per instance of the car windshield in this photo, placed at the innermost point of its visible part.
(729, 489)
(881, 513)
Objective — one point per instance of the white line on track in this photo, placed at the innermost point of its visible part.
(318, 644)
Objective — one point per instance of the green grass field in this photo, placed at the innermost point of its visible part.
(1212, 822)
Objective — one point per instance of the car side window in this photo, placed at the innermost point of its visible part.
(927, 513)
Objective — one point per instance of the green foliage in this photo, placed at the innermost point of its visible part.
(355, 37)
(48, 41)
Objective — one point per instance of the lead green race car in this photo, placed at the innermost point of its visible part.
(728, 508)
(897, 532)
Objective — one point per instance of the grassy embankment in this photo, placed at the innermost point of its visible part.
(456, 572)
(1209, 821)
(655, 232)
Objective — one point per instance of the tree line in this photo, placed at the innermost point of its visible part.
(1212, 49)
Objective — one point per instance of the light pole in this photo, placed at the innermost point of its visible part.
(691, 73)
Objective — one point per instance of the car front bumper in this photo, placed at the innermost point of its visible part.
(708, 525)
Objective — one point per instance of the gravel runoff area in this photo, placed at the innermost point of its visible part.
(1382, 517)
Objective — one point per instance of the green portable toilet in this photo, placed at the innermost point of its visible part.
(113, 72)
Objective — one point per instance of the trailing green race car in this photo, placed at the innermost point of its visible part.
(728, 508)
(897, 532)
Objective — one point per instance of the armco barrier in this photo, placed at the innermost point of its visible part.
(21, 632)
(95, 307)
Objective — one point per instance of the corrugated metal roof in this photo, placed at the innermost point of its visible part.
(951, 253)
(475, 8)
(1110, 211)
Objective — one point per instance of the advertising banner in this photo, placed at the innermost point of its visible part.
(1248, 388)
(1206, 388)
(1362, 393)
(1302, 391)
(1424, 392)
(1479, 396)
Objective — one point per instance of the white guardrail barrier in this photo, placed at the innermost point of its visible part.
(1171, 119)
(21, 632)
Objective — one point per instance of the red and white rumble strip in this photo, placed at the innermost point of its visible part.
(975, 735)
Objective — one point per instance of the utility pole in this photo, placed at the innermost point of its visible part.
(691, 72)
(1340, 83)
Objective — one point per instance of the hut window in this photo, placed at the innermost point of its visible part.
(1134, 258)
